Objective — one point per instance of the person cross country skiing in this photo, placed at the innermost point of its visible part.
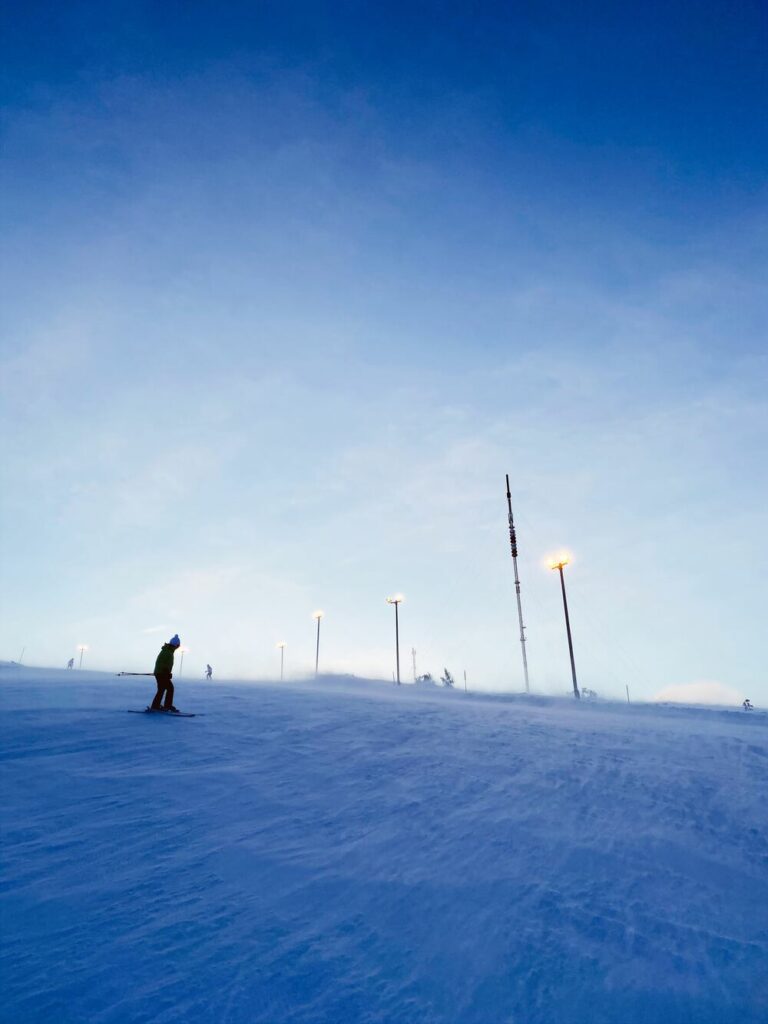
(164, 675)
(208, 671)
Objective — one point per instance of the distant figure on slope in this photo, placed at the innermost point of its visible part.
(747, 705)
(71, 663)
(164, 675)
(208, 671)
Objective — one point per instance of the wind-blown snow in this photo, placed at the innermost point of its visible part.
(341, 852)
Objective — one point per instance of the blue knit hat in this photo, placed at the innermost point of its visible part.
(174, 641)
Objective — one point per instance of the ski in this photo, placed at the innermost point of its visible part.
(134, 673)
(167, 714)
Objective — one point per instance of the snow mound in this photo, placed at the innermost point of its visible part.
(347, 853)
(700, 693)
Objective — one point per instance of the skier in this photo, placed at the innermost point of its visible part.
(164, 675)
(71, 663)
(208, 671)
(747, 705)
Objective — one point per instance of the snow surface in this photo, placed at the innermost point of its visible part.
(349, 852)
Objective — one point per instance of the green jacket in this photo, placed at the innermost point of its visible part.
(164, 661)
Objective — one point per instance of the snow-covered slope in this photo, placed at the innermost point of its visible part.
(344, 852)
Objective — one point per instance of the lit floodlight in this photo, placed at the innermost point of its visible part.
(317, 615)
(558, 561)
(395, 599)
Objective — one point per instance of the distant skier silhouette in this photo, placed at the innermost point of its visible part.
(164, 675)
(71, 663)
(208, 671)
(748, 705)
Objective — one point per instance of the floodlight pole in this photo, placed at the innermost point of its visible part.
(559, 568)
(282, 659)
(82, 648)
(513, 545)
(396, 601)
(318, 616)
(397, 641)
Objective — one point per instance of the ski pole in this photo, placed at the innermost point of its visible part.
(134, 673)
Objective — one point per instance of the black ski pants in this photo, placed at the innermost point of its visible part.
(164, 686)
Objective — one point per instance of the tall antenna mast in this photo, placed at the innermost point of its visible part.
(513, 545)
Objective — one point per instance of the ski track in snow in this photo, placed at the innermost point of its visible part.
(352, 852)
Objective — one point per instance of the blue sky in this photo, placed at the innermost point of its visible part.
(290, 287)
